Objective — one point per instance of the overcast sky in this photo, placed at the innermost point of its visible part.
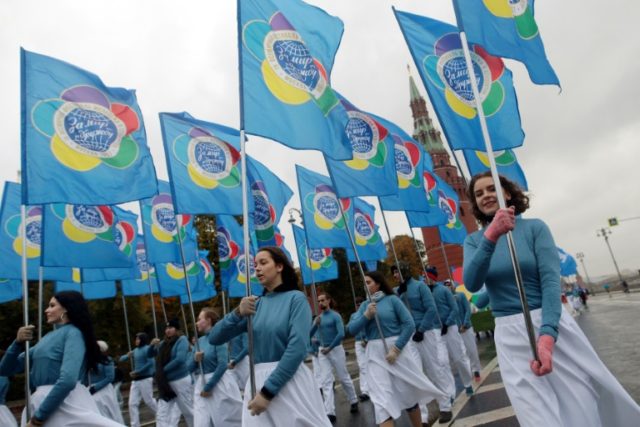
(581, 150)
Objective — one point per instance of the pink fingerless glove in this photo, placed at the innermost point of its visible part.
(545, 353)
(503, 221)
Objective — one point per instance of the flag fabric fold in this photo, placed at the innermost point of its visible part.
(90, 291)
(321, 261)
(10, 290)
(506, 162)
(435, 216)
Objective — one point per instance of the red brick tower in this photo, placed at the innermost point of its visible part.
(425, 133)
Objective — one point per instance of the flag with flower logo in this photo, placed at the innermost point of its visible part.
(280, 244)
(321, 261)
(433, 186)
(232, 258)
(91, 290)
(204, 288)
(437, 51)
(454, 230)
(163, 227)
(507, 29)
(87, 236)
(270, 196)
(286, 54)
(371, 172)
(370, 265)
(324, 224)
(10, 290)
(203, 160)
(410, 160)
(506, 162)
(11, 239)
(568, 265)
(146, 273)
(369, 243)
(172, 281)
(82, 142)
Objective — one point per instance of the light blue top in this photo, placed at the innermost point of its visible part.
(395, 320)
(423, 307)
(483, 299)
(58, 360)
(104, 376)
(281, 328)
(331, 329)
(144, 366)
(446, 303)
(214, 360)
(176, 368)
(464, 310)
(489, 263)
(239, 348)
(4, 388)
(361, 335)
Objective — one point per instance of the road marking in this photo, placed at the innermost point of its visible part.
(485, 417)
(490, 387)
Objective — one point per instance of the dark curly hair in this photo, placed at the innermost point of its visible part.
(78, 314)
(289, 276)
(380, 280)
(519, 200)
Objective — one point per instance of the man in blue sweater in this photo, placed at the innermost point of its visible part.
(331, 355)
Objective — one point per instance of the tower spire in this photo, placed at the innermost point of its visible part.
(423, 130)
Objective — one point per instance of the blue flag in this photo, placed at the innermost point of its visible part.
(11, 239)
(86, 236)
(90, 291)
(161, 226)
(506, 162)
(371, 172)
(437, 52)
(371, 265)
(410, 161)
(454, 230)
(270, 196)
(435, 216)
(203, 160)
(10, 290)
(171, 278)
(204, 289)
(232, 258)
(280, 244)
(568, 265)
(369, 243)
(286, 56)
(82, 142)
(323, 221)
(145, 273)
(321, 261)
(507, 29)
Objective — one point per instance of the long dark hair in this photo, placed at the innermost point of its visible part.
(143, 337)
(78, 314)
(518, 200)
(289, 276)
(380, 280)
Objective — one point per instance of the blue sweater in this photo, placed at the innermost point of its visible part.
(143, 365)
(464, 310)
(58, 360)
(4, 388)
(104, 376)
(281, 328)
(395, 320)
(239, 348)
(214, 360)
(331, 329)
(489, 263)
(361, 335)
(177, 367)
(446, 303)
(423, 307)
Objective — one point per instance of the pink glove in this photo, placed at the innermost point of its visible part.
(503, 221)
(545, 352)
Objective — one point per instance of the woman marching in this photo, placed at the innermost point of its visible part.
(141, 378)
(395, 379)
(216, 398)
(287, 394)
(59, 362)
(101, 388)
(6, 417)
(569, 386)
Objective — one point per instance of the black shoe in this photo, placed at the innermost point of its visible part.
(364, 397)
(445, 417)
(354, 408)
(332, 418)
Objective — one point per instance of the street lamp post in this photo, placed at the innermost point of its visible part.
(580, 256)
(605, 233)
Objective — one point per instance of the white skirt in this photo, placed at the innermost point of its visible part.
(298, 404)
(77, 410)
(108, 404)
(394, 388)
(223, 408)
(580, 391)
(6, 417)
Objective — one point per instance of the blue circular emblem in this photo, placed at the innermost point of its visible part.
(362, 226)
(223, 246)
(34, 232)
(240, 263)
(210, 157)
(403, 164)
(452, 69)
(141, 261)
(262, 212)
(165, 217)
(327, 205)
(360, 135)
(88, 216)
(294, 59)
(316, 255)
(90, 129)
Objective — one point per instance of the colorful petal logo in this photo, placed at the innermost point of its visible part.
(521, 12)
(264, 214)
(86, 129)
(240, 265)
(210, 161)
(365, 229)
(176, 271)
(318, 258)
(289, 71)
(124, 236)
(227, 249)
(366, 136)
(447, 69)
(450, 208)
(206, 269)
(503, 158)
(325, 208)
(13, 228)
(407, 158)
(164, 222)
(84, 223)
(430, 185)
